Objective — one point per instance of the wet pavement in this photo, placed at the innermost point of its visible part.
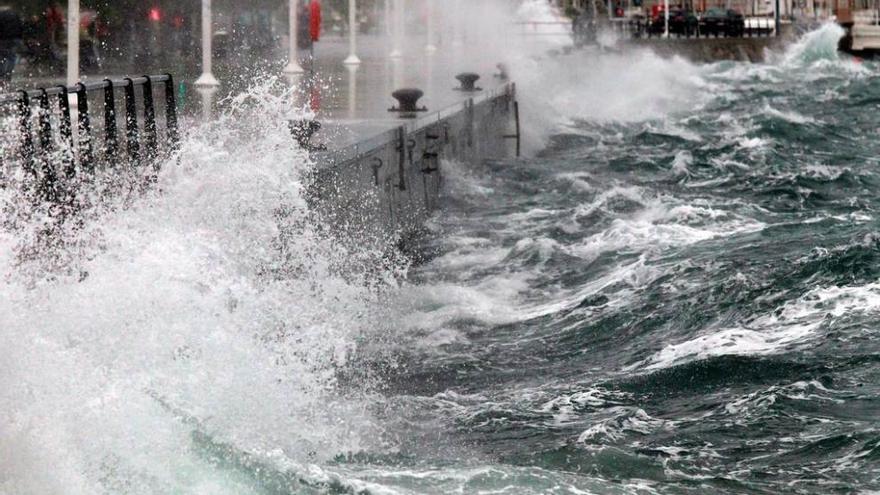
(351, 102)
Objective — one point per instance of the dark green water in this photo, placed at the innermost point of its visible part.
(682, 301)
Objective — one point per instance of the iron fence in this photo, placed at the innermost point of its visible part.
(57, 134)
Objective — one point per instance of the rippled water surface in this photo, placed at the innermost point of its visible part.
(677, 292)
(681, 301)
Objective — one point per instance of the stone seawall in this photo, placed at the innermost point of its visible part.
(708, 50)
(383, 189)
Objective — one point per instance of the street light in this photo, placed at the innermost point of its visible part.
(207, 79)
(293, 66)
(430, 47)
(397, 35)
(665, 18)
(352, 34)
(72, 42)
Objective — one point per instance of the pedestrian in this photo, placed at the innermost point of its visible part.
(54, 26)
(585, 28)
(314, 29)
(11, 32)
(88, 40)
(303, 28)
(315, 20)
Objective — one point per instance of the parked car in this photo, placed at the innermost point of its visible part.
(718, 21)
(681, 22)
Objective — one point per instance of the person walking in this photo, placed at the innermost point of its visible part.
(303, 31)
(315, 20)
(314, 29)
(11, 32)
(55, 27)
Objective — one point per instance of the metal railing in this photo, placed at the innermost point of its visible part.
(40, 134)
(753, 27)
(641, 27)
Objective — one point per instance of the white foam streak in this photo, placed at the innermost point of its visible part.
(795, 323)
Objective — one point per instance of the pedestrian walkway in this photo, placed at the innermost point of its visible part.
(352, 102)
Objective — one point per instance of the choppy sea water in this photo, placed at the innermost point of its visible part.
(676, 292)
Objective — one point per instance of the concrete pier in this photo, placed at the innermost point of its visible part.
(385, 186)
(382, 174)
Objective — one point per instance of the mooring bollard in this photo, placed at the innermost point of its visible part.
(303, 130)
(468, 82)
(408, 100)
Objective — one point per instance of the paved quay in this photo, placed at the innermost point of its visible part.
(352, 101)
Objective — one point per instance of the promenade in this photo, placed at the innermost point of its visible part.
(352, 101)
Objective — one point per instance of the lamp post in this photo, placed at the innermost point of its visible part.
(293, 66)
(776, 19)
(207, 79)
(397, 35)
(352, 90)
(665, 18)
(72, 42)
(430, 47)
(352, 34)
(456, 26)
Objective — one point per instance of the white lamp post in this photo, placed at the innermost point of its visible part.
(352, 90)
(207, 96)
(430, 47)
(72, 42)
(352, 34)
(293, 66)
(207, 79)
(397, 24)
(456, 26)
(665, 18)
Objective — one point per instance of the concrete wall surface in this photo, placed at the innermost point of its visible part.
(381, 190)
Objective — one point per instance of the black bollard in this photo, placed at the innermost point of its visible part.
(468, 82)
(303, 131)
(407, 100)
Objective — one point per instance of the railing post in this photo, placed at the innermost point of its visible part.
(45, 121)
(777, 20)
(131, 124)
(66, 130)
(49, 181)
(151, 133)
(111, 132)
(27, 140)
(171, 114)
(470, 117)
(401, 157)
(84, 130)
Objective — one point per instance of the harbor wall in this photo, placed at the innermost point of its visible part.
(708, 50)
(383, 189)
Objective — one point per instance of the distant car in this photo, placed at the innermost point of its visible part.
(681, 22)
(717, 21)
